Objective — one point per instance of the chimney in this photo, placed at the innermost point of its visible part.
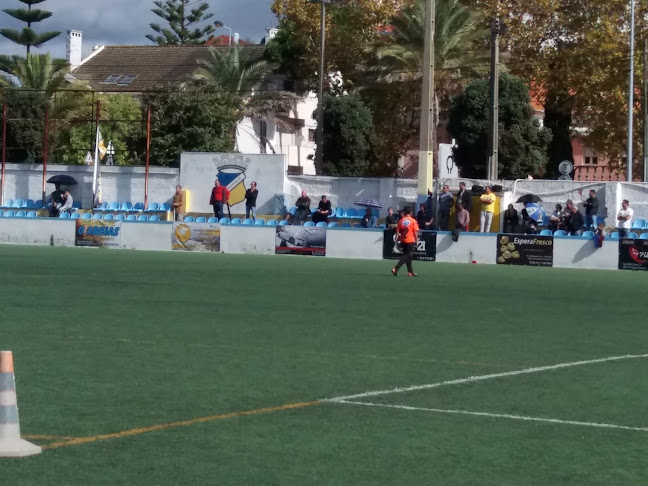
(236, 37)
(74, 47)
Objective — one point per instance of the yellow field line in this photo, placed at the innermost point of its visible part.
(183, 423)
(48, 437)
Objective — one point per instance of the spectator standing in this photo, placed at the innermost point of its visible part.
(625, 219)
(303, 210)
(250, 200)
(323, 211)
(554, 219)
(67, 203)
(464, 197)
(219, 196)
(431, 209)
(462, 221)
(391, 221)
(446, 201)
(591, 205)
(510, 219)
(575, 222)
(368, 221)
(178, 202)
(487, 208)
(407, 231)
(423, 219)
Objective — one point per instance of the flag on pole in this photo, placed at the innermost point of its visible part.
(100, 145)
(96, 177)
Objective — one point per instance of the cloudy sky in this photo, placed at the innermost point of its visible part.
(126, 22)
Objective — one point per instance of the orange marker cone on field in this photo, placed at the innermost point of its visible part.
(11, 445)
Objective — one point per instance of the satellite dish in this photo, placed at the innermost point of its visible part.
(565, 177)
(565, 167)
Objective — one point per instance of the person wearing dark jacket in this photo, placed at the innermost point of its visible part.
(464, 196)
(250, 200)
(575, 222)
(510, 220)
(303, 210)
(591, 205)
(323, 211)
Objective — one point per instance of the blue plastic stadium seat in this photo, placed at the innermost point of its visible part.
(153, 206)
(332, 224)
(272, 222)
(154, 217)
(560, 233)
(142, 217)
(21, 214)
(87, 216)
(17, 204)
(614, 235)
(64, 215)
(189, 219)
(260, 222)
(346, 225)
(120, 217)
(201, 219)
(224, 221)
(383, 226)
(97, 216)
(165, 207)
(632, 234)
(213, 219)
(643, 236)
(75, 204)
(107, 217)
(309, 223)
(248, 221)
(321, 224)
(236, 221)
(544, 232)
(103, 207)
(126, 206)
(1, 213)
(351, 213)
(588, 234)
(638, 223)
(292, 210)
(28, 204)
(283, 222)
(10, 214)
(32, 214)
(339, 212)
(7, 203)
(76, 215)
(114, 206)
(138, 206)
(131, 217)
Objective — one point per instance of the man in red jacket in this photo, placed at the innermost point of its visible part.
(219, 196)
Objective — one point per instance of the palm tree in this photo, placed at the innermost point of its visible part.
(239, 75)
(37, 72)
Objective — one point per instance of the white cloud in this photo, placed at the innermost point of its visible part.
(126, 22)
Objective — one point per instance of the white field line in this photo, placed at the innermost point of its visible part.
(473, 379)
(498, 415)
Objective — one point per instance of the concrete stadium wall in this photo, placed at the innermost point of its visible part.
(118, 183)
(146, 236)
(354, 243)
(478, 247)
(37, 231)
(581, 253)
(248, 239)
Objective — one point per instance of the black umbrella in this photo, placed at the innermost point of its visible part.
(64, 180)
(529, 198)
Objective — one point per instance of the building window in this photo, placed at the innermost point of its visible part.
(311, 135)
(591, 161)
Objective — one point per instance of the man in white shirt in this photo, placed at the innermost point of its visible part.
(625, 218)
(67, 203)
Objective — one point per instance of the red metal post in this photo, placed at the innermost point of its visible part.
(148, 155)
(45, 151)
(4, 150)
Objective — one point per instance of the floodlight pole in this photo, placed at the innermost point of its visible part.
(319, 159)
(493, 139)
(148, 155)
(4, 151)
(428, 111)
(631, 91)
(45, 152)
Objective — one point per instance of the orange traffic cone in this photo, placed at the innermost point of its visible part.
(11, 445)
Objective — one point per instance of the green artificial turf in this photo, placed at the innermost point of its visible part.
(106, 341)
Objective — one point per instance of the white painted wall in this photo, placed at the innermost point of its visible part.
(581, 253)
(354, 243)
(248, 239)
(146, 236)
(477, 247)
(38, 231)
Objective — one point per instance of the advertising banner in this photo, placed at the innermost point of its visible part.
(196, 236)
(97, 233)
(633, 254)
(300, 240)
(525, 250)
(425, 250)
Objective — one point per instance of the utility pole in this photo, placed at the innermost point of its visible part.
(428, 110)
(493, 139)
(631, 91)
(319, 159)
(645, 108)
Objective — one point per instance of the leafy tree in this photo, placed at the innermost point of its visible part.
(25, 124)
(522, 142)
(348, 136)
(27, 36)
(183, 23)
(38, 72)
(189, 118)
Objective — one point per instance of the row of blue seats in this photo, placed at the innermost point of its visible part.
(339, 213)
(129, 206)
(262, 222)
(639, 223)
(29, 204)
(111, 217)
(590, 234)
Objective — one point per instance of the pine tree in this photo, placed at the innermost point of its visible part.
(27, 36)
(183, 23)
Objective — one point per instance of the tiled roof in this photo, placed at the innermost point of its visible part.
(139, 68)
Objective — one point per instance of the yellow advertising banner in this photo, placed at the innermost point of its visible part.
(196, 236)
(98, 233)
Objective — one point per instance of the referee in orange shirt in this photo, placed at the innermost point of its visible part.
(407, 231)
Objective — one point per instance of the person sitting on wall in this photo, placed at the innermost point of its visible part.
(56, 200)
(67, 203)
(391, 221)
(323, 211)
(599, 235)
(303, 210)
(368, 221)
